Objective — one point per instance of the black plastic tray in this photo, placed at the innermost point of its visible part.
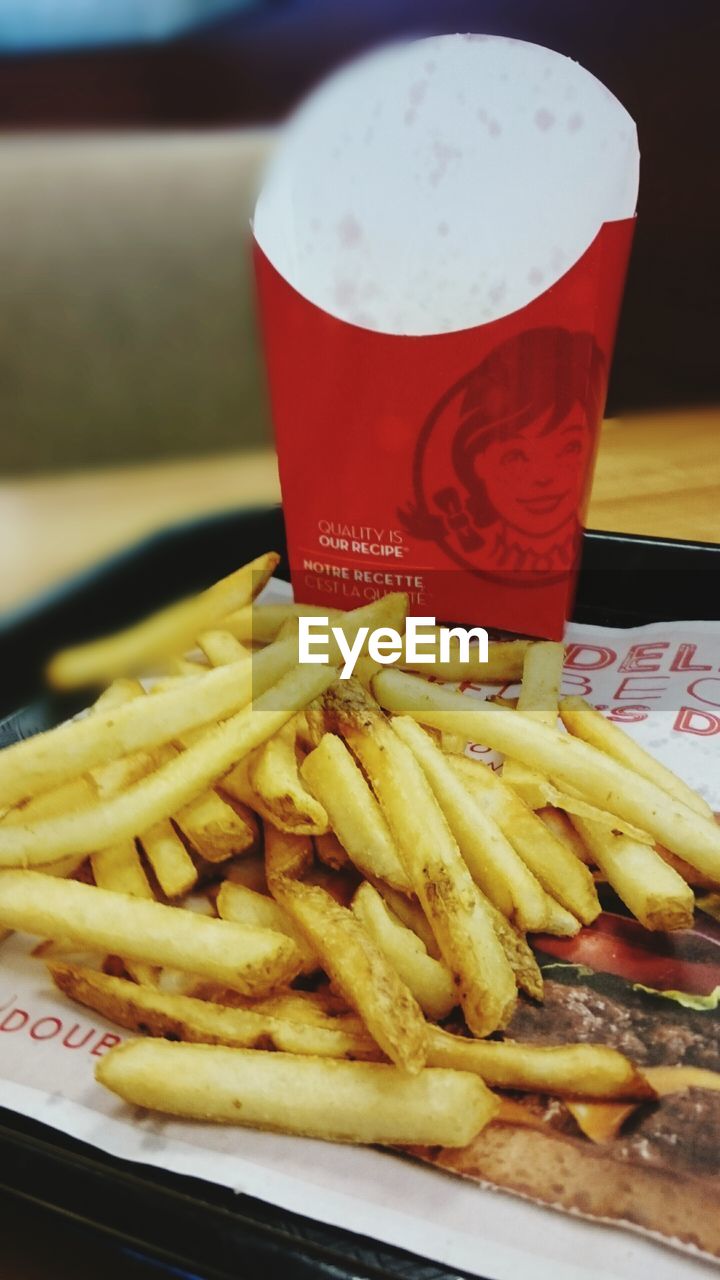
(183, 1222)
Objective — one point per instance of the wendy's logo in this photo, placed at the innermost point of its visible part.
(502, 461)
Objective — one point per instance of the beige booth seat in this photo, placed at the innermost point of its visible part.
(126, 316)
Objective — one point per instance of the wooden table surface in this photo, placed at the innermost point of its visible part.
(657, 473)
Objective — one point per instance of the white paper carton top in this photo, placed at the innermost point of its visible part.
(436, 185)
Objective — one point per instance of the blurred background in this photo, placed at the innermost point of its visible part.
(132, 133)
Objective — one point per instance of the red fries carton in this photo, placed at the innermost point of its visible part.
(441, 245)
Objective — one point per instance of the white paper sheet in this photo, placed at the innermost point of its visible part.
(49, 1047)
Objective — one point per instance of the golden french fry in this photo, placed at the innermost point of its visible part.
(539, 697)
(221, 647)
(185, 668)
(316, 1097)
(118, 693)
(518, 952)
(562, 828)
(77, 794)
(174, 869)
(244, 906)
(688, 873)
(275, 779)
(39, 763)
(171, 786)
(602, 780)
(504, 664)
(653, 890)
(249, 960)
(429, 980)
(561, 922)
(355, 815)
(571, 802)
(330, 852)
(119, 868)
(287, 857)
(214, 828)
(410, 913)
(494, 865)
(260, 623)
(559, 872)
(180, 1017)
(585, 722)
(432, 860)
(586, 1070)
(359, 969)
(170, 631)
(248, 870)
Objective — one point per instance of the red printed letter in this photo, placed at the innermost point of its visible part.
(55, 1026)
(108, 1042)
(639, 687)
(703, 723)
(709, 701)
(598, 656)
(13, 1014)
(683, 660)
(644, 657)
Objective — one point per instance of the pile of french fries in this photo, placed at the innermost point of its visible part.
(307, 899)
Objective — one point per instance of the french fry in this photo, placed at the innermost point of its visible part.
(249, 960)
(287, 857)
(559, 872)
(495, 866)
(570, 1070)
(170, 787)
(585, 722)
(330, 852)
(601, 779)
(174, 869)
(560, 922)
(355, 815)
(518, 952)
(118, 693)
(562, 828)
(119, 868)
(653, 890)
(260, 623)
(243, 906)
(504, 664)
(214, 828)
(275, 779)
(571, 802)
(49, 759)
(221, 647)
(410, 913)
(434, 865)
(429, 980)
(172, 630)
(181, 1017)
(314, 1097)
(249, 870)
(360, 970)
(539, 697)
(185, 668)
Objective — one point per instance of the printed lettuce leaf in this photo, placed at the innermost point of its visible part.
(700, 1004)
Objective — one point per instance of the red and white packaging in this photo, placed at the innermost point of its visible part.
(441, 245)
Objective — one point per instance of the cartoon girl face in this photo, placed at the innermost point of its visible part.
(533, 479)
(503, 458)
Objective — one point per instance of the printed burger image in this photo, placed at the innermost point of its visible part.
(654, 1164)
